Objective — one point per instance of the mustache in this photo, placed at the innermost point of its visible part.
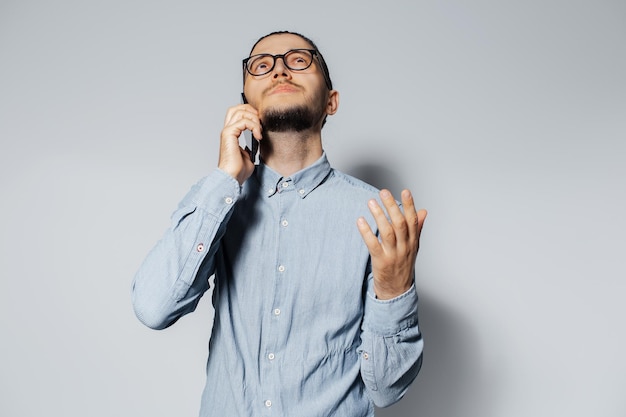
(286, 82)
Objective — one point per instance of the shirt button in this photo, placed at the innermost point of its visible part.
(285, 184)
(228, 200)
(271, 356)
(285, 223)
(268, 403)
(366, 356)
(281, 268)
(277, 311)
(200, 247)
(270, 191)
(301, 191)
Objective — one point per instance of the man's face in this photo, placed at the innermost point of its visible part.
(282, 90)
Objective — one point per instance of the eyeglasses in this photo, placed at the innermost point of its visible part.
(294, 60)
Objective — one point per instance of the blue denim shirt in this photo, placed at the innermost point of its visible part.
(297, 328)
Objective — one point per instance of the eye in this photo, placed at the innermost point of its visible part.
(298, 59)
(260, 64)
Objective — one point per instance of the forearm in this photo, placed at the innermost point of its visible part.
(175, 273)
(391, 346)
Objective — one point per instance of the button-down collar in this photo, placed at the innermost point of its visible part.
(304, 181)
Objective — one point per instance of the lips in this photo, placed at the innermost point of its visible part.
(283, 88)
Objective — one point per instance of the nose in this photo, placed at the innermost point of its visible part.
(280, 69)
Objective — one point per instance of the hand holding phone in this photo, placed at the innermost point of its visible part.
(251, 144)
(234, 158)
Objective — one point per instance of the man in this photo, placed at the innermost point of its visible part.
(315, 311)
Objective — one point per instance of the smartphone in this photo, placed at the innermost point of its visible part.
(251, 144)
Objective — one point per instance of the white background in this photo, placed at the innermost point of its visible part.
(507, 119)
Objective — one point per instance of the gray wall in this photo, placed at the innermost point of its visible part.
(506, 119)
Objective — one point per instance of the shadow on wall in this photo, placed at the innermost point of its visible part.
(378, 176)
(451, 381)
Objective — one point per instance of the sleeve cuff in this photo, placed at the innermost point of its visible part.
(389, 317)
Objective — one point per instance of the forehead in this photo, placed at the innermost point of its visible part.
(279, 44)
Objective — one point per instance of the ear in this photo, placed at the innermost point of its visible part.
(333, 102)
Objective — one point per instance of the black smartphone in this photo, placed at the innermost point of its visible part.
(251, 143)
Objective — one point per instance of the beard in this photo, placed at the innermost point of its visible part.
(294, 119)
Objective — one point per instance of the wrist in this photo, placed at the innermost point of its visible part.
(389, 292)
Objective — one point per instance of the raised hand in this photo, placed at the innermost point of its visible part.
(393, 253)
(233, 159)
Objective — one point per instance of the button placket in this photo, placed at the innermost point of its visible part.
(283, 199)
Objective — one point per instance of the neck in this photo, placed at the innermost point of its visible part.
(290, 152)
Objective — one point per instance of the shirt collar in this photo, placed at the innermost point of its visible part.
(303, 181)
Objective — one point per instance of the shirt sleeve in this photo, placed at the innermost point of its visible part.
(174, 275)
(391, 345)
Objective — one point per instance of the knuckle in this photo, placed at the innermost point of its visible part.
(388, 235)
(401, 224)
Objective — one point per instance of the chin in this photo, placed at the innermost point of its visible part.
(280, 107)
(282, 102)
(288, 118)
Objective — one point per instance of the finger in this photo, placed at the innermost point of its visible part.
(395, 214)
(370, 239)
(253, 114)
(248, 165)
(243, 115)
(232, 132)
(231, 113)
(247, 114)
(421, 218)
(410, 215)
(385, 229)
(238, 109)
(403, 242)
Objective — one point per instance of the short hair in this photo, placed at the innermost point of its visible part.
(320, 57)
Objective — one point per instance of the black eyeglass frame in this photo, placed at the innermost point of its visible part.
(314, 53)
